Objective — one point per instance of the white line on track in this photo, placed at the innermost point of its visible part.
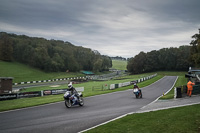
(140, 108)
(145, 111)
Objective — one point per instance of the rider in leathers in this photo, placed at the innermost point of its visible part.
(73, 92)
(135, 86)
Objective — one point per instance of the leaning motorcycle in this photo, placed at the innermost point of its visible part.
(70, 99)
(137, 92)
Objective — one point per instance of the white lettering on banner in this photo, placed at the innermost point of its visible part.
(80, 89)
(58, 91)
(7, 96)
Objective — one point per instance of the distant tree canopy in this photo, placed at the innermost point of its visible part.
(51, 55)
(169, 59)
(166, 59)
(195, 50)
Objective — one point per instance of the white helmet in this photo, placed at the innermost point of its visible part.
(70, 86)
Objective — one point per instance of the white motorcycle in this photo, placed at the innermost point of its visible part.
(70, 99)
(137, 92)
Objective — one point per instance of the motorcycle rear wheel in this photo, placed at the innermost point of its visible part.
(68, 103)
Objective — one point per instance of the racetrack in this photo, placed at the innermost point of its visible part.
(56, 117)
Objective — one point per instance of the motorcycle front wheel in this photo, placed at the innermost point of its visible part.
(81, 102)
(68, 103)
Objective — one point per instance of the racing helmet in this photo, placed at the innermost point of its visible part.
(70, 86)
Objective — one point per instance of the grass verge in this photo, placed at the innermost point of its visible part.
(119, 64)
(176, 120)
(180, 81)
(24, 73)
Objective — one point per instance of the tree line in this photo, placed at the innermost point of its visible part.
(51, 55)
(195, 50)
(167, 59)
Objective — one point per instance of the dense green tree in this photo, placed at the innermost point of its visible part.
(170, 59)
(195, 50)
(152, 61)
(183, 58)
(97, 65)
(51, 55)
(6, 48)
(137, 64)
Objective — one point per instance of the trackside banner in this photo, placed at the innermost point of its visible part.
(29, 94)
(61, 91)
(114, 86)
(8, 96)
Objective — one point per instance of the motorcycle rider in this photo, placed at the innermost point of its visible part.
(73, 92)
(135, 86)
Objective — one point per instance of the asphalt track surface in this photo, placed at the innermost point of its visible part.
(56, 118)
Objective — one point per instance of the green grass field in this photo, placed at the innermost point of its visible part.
(176, 120)
(24, 73)
(119, 64)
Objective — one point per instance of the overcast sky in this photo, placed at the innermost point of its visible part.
(113, 27)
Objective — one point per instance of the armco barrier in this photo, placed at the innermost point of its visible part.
(43, 81)
(126, 83)
(120, 85)
(114, 86)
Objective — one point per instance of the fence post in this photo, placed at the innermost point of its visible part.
(42, 93)
(174, 92)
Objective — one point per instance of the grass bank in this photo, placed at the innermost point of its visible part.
(176, 120)
(24, 73)
(119, 64)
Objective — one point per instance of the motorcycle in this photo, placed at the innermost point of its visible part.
(70, 99)
(137, 92)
